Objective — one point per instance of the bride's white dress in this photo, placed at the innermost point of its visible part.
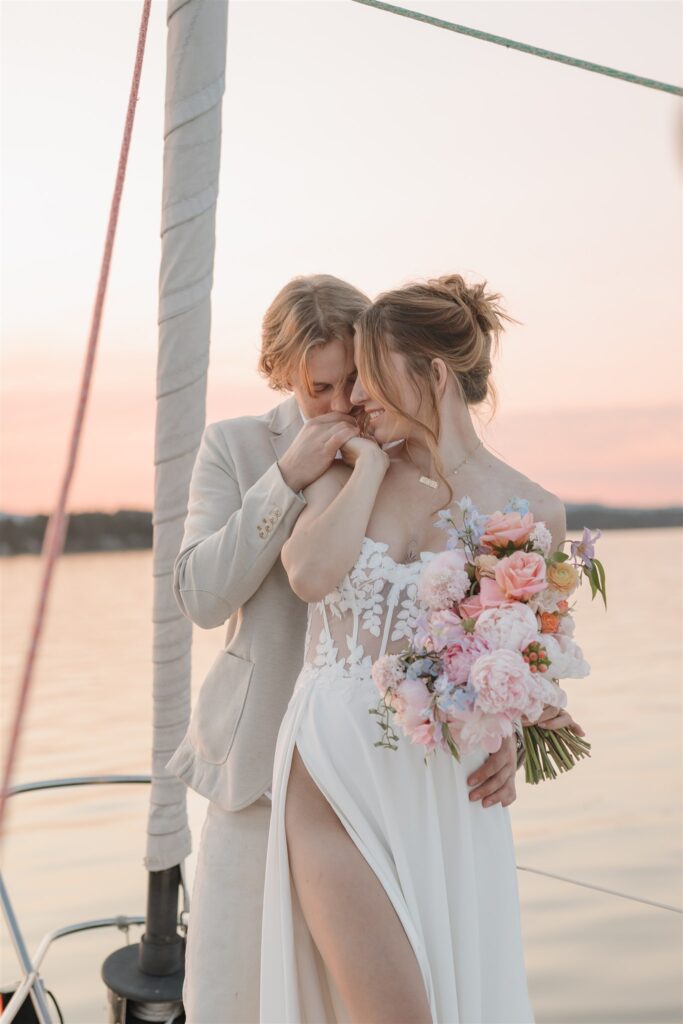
(446, 862)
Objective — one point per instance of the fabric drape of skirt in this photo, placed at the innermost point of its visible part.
(446, 862)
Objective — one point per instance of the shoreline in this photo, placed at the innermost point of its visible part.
(131, 529)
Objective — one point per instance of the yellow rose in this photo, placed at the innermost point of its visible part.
(563, 577)
(485, 565)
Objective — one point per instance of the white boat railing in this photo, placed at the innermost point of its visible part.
(31, 983)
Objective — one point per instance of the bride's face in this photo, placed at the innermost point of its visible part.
(384, 424)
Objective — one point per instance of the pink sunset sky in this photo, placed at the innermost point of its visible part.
(377, 149)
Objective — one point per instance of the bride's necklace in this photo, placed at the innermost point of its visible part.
(427, 480)
(413, 550)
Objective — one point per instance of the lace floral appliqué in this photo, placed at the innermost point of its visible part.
(374, 607)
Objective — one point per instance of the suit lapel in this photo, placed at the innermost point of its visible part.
(284, 425)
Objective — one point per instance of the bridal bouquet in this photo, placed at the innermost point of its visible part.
(493, 641)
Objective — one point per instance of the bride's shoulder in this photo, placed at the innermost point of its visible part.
(544, 505)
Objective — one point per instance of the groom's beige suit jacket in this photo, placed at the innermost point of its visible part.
(240, 513)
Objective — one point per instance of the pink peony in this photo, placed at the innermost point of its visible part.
(521, 575)
(512, 626)
(428, 734)
(444, 580)
(503, 528)
(442, 628)
(480, 729)
(459, 657)
(411, 702)
(503, 683)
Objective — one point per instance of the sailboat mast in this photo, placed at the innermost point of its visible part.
(151, 974)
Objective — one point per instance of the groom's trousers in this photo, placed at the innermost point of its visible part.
(223, 954)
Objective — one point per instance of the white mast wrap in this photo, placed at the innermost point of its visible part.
(195, 82)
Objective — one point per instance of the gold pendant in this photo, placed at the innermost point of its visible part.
(428, 482)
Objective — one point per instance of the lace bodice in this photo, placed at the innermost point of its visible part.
(372, 612)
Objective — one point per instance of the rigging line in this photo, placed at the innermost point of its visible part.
(600, 888)
(536, 51)
(55, 532)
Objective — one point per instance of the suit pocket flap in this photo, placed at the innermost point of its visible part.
(219, 706)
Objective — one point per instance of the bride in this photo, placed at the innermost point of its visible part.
(390, 895)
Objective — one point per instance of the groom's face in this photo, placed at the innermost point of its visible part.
(332, 372)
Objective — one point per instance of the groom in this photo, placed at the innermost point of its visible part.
(245, 496)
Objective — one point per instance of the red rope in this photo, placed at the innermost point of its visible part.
(53, 542)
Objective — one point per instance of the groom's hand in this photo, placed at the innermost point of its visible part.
(313, 449)
(555, 718)
(494, 780)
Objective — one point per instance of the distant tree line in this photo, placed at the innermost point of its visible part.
(124, 530)
(130, 529)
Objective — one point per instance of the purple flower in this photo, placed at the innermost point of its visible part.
(584, 549)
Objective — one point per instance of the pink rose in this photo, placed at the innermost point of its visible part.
(521, 575)
(470, 607)
(491, 594)
(507, 528)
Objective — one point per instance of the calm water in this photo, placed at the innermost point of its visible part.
(614, 821)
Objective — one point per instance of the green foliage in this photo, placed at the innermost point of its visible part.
(596, 578)
(446, 733)
(390, 737)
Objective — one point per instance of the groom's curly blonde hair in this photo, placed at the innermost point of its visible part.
(307, 312)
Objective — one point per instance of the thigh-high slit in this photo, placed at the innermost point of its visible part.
(446, 864)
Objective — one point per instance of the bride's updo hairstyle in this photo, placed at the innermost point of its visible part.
(444, 318)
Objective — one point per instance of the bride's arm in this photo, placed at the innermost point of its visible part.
(328, 534)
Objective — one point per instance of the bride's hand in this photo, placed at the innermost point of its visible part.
(357, 448)
(555, 718)
(495, 779)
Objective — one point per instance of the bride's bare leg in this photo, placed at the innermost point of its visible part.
(352, 920)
